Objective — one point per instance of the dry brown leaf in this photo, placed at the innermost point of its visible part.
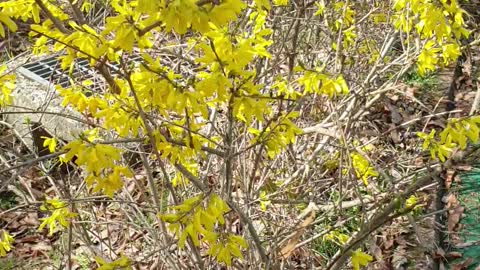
(464, 168)
(452, 201)
(377, 252)
(131, 187)
(33, 249)
(467, 66)
(463, 265)
(394, 98)
(459, 96)
(31, 219)
(453, 255)
(32, 173)
(395, 115)
(394, 134)
(449, 178)
(41, 246)
(455, 212)
(419, 162)
(439, 253)
(455, 238)
(30, 239)
(287, 250)
(457, 179)
(410, 92)
(454, 218)
(388, 243)
(436, 123)
(469, 96)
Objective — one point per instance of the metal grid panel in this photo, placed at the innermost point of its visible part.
(48, 72)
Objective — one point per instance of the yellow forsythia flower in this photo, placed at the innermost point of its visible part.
(362, 167)
(5, 243)
(360, 258)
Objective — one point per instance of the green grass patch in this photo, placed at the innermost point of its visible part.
(7, 201)
(8, 263)
(427, 82)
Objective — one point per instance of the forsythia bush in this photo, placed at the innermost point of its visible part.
(171, 110)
